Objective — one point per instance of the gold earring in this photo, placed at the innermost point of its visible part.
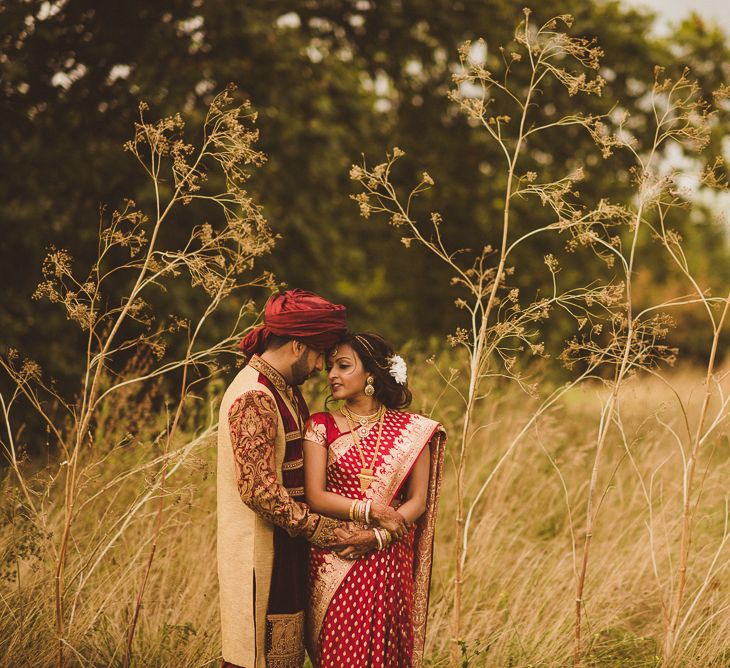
(369, 388)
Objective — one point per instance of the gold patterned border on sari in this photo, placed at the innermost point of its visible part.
(423, 548)
(390, 474)
(339, 447)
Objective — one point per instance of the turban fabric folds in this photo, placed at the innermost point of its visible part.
(300, 315)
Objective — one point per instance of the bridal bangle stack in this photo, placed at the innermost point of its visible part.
(383, 536)
(360, 511)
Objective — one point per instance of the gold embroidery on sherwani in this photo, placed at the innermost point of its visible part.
(324, 535)
(292, 465)
(285, 392)
(269, 371)
(285, 640)
(390, 474)
(252, 421)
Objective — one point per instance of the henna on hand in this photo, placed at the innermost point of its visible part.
(358, 544)
(389, 518)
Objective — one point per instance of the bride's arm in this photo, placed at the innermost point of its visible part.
(334, 505)
(315, 484)
(417, 488)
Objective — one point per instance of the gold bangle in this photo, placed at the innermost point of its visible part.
(359, 512)
(352, 510)
(379, 539)
(387, 537)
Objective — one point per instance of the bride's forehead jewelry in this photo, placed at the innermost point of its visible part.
(370, 350)
(396, 366)
(365, 344)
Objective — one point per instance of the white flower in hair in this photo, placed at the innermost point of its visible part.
(398, 369)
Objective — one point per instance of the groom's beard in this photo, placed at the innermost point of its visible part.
(299, 370)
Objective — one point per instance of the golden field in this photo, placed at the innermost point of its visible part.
(519, 590)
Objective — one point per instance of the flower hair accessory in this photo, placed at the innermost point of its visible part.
(398, 369)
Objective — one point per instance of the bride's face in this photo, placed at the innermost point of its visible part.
(346, 373)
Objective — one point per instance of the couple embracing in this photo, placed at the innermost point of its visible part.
(325, 522)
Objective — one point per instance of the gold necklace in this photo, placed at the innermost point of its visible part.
(372, 416)
(365, 476)
(363, 420)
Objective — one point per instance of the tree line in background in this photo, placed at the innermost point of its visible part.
(330, 80)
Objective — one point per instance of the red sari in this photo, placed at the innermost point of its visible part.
(371, 612)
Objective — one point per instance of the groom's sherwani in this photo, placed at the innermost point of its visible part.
(263, 525)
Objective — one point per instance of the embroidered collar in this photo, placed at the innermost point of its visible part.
(269, 371)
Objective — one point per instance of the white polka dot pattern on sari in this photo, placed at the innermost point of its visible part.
(369, 620)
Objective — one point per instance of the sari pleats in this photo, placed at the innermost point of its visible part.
(369, 622)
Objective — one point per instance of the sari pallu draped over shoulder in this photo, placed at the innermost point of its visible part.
(405, 435)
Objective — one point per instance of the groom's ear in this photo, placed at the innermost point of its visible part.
(297, 347)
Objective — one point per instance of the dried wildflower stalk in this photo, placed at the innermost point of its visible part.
(683, 116)
(634, 344)
(636, 338)
(501, 328)
(219, 260)
(613, 341)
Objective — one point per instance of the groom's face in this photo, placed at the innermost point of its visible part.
(309, 362)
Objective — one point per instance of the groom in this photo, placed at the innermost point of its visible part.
(263, 524)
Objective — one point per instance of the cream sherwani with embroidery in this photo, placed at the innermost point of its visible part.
(251, 499)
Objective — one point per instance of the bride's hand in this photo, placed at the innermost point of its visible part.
(389, 518)
(358, 544)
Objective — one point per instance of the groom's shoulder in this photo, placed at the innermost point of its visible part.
(246, 380)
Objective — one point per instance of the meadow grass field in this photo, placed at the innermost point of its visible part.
(518, 603)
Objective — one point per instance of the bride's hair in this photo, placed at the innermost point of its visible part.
(375, 353)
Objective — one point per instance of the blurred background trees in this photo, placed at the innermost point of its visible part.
(331, 80)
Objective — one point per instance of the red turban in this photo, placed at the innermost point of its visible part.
(300, 315)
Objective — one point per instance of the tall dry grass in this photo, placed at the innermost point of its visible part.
(519, 598)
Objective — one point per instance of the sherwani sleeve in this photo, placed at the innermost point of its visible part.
(252, 420)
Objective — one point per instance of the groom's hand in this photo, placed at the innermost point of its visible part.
(343, 537)
(357, 544)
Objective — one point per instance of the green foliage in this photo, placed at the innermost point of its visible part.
(330, 80)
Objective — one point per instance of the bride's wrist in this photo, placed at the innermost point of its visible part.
(378, 511)
(360, 512)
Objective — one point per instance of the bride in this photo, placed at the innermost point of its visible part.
(374, 464)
